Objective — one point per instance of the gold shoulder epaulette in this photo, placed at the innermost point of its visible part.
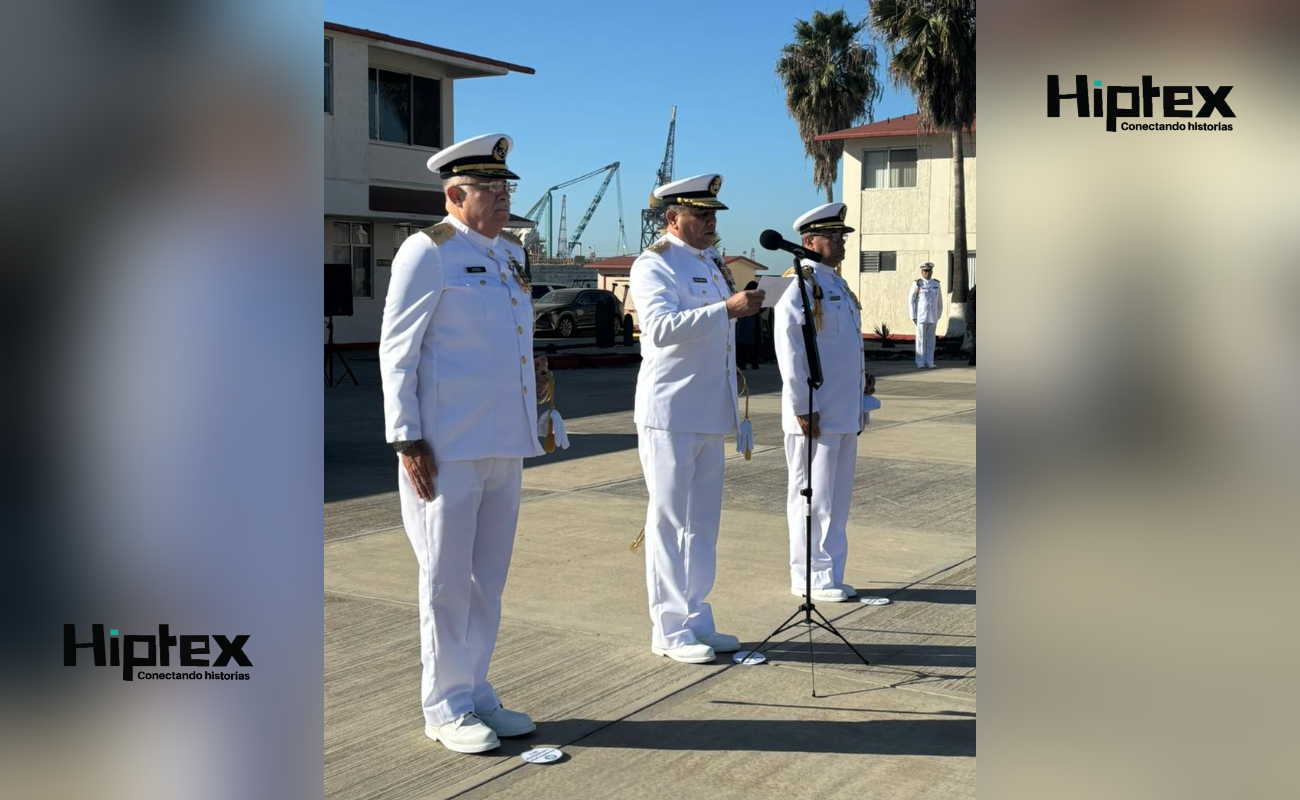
(659, 247)
(439, 233)
(807, 273)
(510, 237)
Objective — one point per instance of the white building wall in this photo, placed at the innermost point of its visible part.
(916, 223)
(353, 163)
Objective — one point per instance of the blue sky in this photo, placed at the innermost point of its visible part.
(607, 77)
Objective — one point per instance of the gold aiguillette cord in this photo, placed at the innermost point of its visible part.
(549, 443)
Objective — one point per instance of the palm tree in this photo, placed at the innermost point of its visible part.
(932, 43)
(830, 84)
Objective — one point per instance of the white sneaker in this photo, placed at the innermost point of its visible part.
(465, 734)
(687, 653)
(849, 591)
(508, 723)
(823, 595)
(720, 642)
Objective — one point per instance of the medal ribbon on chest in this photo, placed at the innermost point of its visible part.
(726, 273)
(520, 278)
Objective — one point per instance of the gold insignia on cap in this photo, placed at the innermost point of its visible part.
(499, 152)
(715, 185)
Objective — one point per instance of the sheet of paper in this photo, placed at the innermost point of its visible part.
(775, 286)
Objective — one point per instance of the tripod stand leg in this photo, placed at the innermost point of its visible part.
(347, 369)
(826, 625)
(784, 626)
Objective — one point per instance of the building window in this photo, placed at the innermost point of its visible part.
(401, 233)
(329, 76)
(405, 109)
(970, 269)
(889, 169)
(878, 261)
(351, 244)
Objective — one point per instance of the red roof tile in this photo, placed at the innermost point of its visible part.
(906, 125)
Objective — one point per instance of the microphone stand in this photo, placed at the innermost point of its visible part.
(808, 609)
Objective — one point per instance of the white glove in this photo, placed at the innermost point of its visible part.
(869, 404)
(561, 438)
(745, 438)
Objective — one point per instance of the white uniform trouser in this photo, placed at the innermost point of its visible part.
(834, 461)
(462, 541)
(925, 344)
(683, 474)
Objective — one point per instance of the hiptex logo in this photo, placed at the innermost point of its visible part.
(1173, 97)
(190, 648)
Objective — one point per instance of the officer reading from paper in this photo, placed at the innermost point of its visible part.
(461, 387)
(685, 404)
(838, 414)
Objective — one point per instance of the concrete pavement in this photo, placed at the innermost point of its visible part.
(574, 649)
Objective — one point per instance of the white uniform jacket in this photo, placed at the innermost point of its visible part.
(687, 380)
(925, 300)
(456, 347)
(839, 342)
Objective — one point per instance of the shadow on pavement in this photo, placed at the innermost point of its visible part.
(921, 737)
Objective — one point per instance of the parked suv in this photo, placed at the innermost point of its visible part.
(540, 290)
(566, 311)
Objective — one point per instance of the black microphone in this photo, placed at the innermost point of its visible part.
(771, 240)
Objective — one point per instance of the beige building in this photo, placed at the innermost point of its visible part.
(614, 275)
(899, 190)
(388, 107)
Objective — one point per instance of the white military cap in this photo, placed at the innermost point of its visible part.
(927, 265)
(823, 219)
(484, 156)
(700, 191)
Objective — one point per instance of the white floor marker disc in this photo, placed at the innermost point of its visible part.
(874, 601)
(748, 659)
(542, 755)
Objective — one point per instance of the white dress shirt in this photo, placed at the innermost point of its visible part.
(839, 343)
(456, 348)
(687, 380)
(925, 300)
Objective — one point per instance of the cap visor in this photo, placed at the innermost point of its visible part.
(698, 203)
(490, 173)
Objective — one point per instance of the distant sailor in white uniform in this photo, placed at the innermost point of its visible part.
(460, 397)
(837, 413)
(685, 405)
(925, 305)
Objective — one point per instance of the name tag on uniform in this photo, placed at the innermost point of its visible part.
(476, 269)
(701, 280)
(836, 296)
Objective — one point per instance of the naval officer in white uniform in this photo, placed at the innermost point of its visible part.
(685, 404)
(837, 412)
(460, 393)
(925, 304)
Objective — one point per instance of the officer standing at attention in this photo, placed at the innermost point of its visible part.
(460, 393)
(925, 304)
(685, 405)
(837, 416)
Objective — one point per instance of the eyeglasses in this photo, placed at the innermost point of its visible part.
(493, 187)
(838, 238)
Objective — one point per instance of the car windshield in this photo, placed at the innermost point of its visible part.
(560, 296)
